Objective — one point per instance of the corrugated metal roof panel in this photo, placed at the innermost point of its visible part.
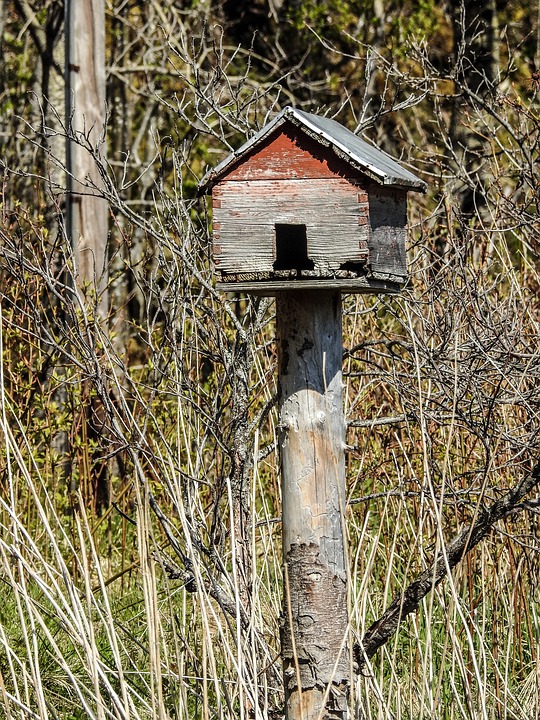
(373, 162)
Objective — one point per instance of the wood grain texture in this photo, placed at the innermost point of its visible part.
(272, 286)
(354, 230)
(312, 438)
(87, 211)
(388, 220)
(247, 212)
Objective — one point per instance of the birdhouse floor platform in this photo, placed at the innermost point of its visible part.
(352, 285)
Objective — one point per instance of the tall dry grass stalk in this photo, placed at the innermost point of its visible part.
(76, 644)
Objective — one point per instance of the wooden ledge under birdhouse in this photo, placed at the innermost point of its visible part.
(306, 204)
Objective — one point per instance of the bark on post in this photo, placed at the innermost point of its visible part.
(312, 428)
(86, 210)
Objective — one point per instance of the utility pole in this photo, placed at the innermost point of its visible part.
(87, 211)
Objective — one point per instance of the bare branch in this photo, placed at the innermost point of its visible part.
(408, 602)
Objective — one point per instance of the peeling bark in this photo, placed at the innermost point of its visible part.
(317, 598)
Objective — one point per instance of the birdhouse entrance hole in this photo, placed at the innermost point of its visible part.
(291, 248)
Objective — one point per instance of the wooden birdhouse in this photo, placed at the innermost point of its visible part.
(306, 204)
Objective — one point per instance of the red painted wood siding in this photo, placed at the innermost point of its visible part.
(290, 154)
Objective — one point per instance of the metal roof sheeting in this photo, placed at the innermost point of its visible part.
(357, 152)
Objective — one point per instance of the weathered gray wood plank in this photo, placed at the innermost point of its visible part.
(388, 219)
(246, 213)
(358, 285)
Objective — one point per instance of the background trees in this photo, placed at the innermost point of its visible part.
(166, 602)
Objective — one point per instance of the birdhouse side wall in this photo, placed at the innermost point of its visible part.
(334, 211)
(388, 221)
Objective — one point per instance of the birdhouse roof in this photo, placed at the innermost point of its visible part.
(359, 154)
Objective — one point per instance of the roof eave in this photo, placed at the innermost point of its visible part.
(419, 186)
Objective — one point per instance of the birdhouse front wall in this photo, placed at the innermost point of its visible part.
(249, 217)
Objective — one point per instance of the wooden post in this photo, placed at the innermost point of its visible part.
(312, 438)
(87, 213)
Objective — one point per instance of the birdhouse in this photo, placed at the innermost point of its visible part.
(306, 204)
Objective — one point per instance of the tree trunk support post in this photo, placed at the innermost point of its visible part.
(314, 643)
